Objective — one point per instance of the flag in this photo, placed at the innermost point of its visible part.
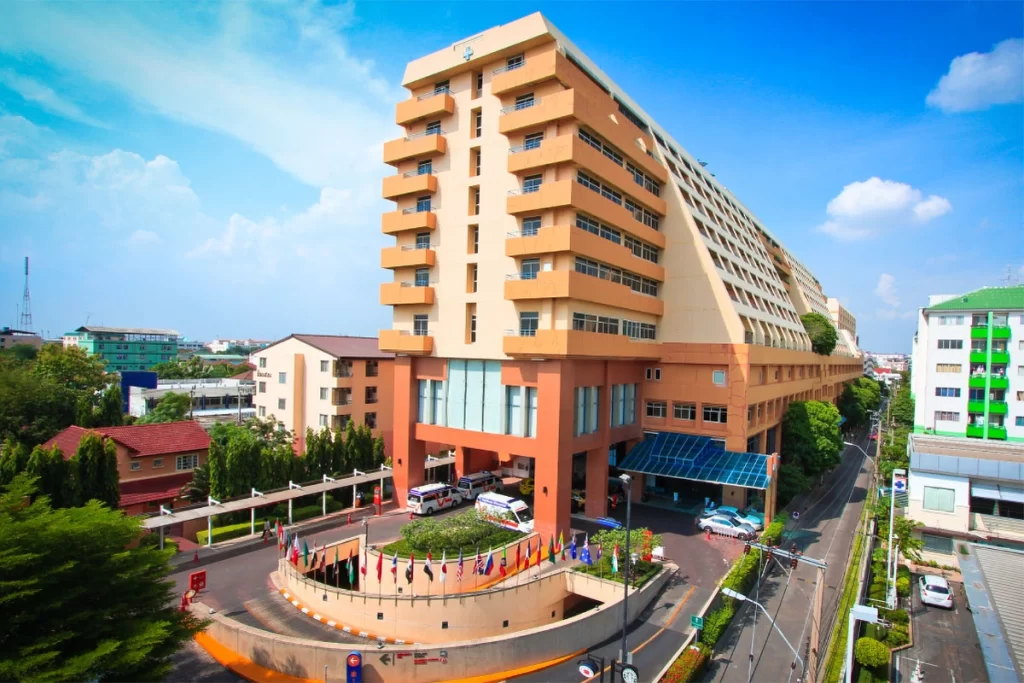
(585, 555)
(427, 569)
(305, 553)
(615, 559)
(526, 564)
(394, 566)
(504, 563)
(478, 566)
(458, 569)
(519, 559)
(444, 566)
(489, 566)
(380, 566)
(352, 568)
(409, 568)
(287, 541)
(551, 548)
(572, 548)
(323, 558)
(366, 561)
(597, 557)
(560, 542)
(536, 560)
(336, 563)
(295, 550)
(281, 541)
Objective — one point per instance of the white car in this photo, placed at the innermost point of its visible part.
(734, 514)
(721, 524)
(935, 591)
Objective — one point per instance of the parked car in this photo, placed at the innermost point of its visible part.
(720, 524)
(732, 513)
(505, 511)
(431, 498)
(874, 436)
(526, 486)
(935, 591)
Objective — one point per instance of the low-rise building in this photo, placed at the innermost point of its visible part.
(126, 348)
(222, 345)
(317, 380)
(213, 400)
(9, 338)
(153, 461)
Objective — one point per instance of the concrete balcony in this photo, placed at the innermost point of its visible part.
(555, 239)
(979, 356)
(578, 344)
(404, 293)
(570, 193)
(398, 341)
(405, 257)
(537, 69)
(565, 284)
(994, 382)
(1000, 332)
(395, 222)
(976, 431)
(414, 146)
(554, 107)
(1001, 357)
(431, 105)
(409, 183)
(997, 432)
(997, 407)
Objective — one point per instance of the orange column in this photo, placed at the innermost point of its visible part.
(597, 483)
(409, 454)
(552, 494)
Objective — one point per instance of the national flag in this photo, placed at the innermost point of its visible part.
(394, 566)
(489, 566)
(380, 566)
(409, 568)
(287, 545)
(352, 568)
(526, 563)
(615, 559)
(366, 561)
(560, 542)
(585, 555)
(323, 558)
(427, 569)
(280, 535)
(458, 569)
(572, 548)
(519, 559)
(551, 548)
(335, 563)
(444, 566)
(597, 557)
(295, 550)
(478, 566)
(305, 553)
(504, 563)
(536, 560)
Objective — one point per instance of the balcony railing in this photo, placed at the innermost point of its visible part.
(435, 92)
(418, 172)
(509, 67)
(417, 247)
(521, 276)
(529, 189)
(521, 332)
(419, 209)
(421, 332)
(519, 106)
(525, 148)
(424, 134)
(522, 233)
(418, 284)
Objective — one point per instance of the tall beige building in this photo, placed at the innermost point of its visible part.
(567, 277)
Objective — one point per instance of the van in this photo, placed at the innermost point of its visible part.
(472, 485)
(431, 498)
(504, 511)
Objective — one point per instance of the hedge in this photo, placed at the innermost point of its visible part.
(464, 531)
(689, 666)
(871, 653)
(716, 622)
(229, 531)
(639, 575)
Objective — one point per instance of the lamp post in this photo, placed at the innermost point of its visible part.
(627, 482)
(736, 595)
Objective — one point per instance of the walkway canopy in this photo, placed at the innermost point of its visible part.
(699, 458)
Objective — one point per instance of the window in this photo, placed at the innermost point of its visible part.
(136, 466)
(717, 414)
(263, 387)
(472, 328)
(282, 378)
(528, 323)
(158, 462)
(948, 367)
(422, 277)
(262, 411)
(513, 411)
(422, 204)
(635, 330)
(684, 411)
(951, 320)
(324, 365)
(370, 395)
(937, 544)
(323, 393)
(263, 362)
(654, 374)
(976, 394)
(514, 62)
(479, 80)
(186, 462)
(656, 409)
(1019, 421)
(531, 404)
(478, 123)
(341, 421)
(529, 269)
(532, 183)
(323, 420)
(948, 392)
(280, 404)
(530, 226)
(951, 343)
(419, 325)
(370, 420)
(946, 416)
(524, 101)
(939, 499)
(477, 157)
(371, 368)
(533, 140)
(476, 201)
(441, 87)
(473, 269)
(425, 167)
(718, 378)
(433, 128)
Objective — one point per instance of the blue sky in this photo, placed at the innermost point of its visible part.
(216, 168)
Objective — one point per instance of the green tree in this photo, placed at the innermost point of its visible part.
(71, 367)
(110, 412)
(13, 460)
(319, 453)
(792, 482)
(20, 353)
(33, 407)
(198, 489)
(901, 407)
(79, 605)
(173, 407)
(821, 331)
(98, 479)
(55, 477)
(858, 398)
(219, 481)
(244, 464)
(907, 545)
(378, 452)
(810, 436)
(871, 653)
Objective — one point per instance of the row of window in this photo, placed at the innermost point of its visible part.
(624, 277)
(948, 392)
(586, 322)
(610, 151)
(181, 463)
(639, 212)
(950, 343)
(472, 409)
(688, 411)
(978, 369)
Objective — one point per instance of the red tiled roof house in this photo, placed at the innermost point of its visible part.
(153, 461)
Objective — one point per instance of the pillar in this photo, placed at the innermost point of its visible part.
(771, 494)
(552, 496)
(762, 441)
(597, 483)
(409, 454)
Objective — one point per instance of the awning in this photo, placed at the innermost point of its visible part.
(698, 458)
(1011, 494)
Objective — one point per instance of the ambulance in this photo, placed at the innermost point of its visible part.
(505, 511)
(431, 498)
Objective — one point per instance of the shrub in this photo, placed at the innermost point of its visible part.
(638, 576)
(903, 586)
(871, 653)
(464, 531)
(689, 666)
(933, 564)
(715, 624)
(950, 568)
(895, 616)
(876, 631)
(963, 549)
(773, 532)
(898, 636)
(903, 572)
(229, 531)
(877, 592)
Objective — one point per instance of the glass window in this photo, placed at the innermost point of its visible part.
(524, 101)
(718, 377)
(324, 365)
(424, 403)
(532, 183)
(423, 204)
(425, 167)
(631, 392)
(656, 409)
(419, 325)
(280, 404)
(531, 400)
(513, 411)
(434, 128)
(939, 499)
(422, 277)
(717, 414)
(684, 411)
(323, 393)
(616, 405)
(531, 225)
(533, 140)
(282, 378)
(263, 362)
(437, 394)
(937, 544)
(263, 387)
(528, 323)
(530, 268)
(593, 401)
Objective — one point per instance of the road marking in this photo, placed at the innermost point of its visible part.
(332, 624)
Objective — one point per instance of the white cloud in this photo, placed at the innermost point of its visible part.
(143, 237)
(38, 93)
(865, 207)
(979, 80)
(886, 290)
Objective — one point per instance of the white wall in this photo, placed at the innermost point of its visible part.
(957, 521)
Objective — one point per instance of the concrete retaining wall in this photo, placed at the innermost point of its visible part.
(401, 664)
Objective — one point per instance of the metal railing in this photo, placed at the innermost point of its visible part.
(418, 284)
(418, 172)
(529, 189)
(414, 333)
(525, 147)
(419, 209)
(509, 67)
(435, 92)
(417, 247)
(424, 134)
(521, 276)
(522, 105)
(521, 332)
(523, 233)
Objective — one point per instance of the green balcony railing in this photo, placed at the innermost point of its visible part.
(979, 332)
(999, 382)
(1000, 332)
(979, 356)
(996, 432)
(976, 382)
(997, 407)
(976, 407)
(1001, 357)
(976, 431)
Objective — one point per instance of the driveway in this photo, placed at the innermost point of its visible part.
(945, 642)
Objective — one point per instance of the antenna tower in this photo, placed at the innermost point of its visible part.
(25, 317)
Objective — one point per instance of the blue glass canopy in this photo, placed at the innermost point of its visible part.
(700, 458)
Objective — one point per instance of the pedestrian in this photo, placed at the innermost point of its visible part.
(266, 529)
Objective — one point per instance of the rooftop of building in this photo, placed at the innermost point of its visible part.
(992, 583)
(126, 330)
(339, 346)
(985, 299)
(140, 440)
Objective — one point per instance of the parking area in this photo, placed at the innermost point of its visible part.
(945, 642)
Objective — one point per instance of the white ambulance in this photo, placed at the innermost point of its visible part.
(472, 485)
(504, 511)
(430, 498)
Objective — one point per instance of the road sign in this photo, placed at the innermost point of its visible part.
(630, 674)
(588, 668)
(354, 668)
(197, 580)
(697, 622)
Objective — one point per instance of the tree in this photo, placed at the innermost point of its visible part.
(821, 331)
(195, 368)
(173, 407)
(20, 353)
(902, 407)
(196, 490)
(110, 412)
(71, 367)
(871, 653)
(858, 398)
(77, 603)
(13, 460)
(244, 465)
(907, 545)
(792, 482)
(319, 452)
(810, 436)
(33, 407)
(96, 468)
(55, 477)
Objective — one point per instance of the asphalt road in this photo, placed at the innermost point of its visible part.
(825, 530)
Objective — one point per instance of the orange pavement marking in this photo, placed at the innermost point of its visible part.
(522, 671)
(246, 668)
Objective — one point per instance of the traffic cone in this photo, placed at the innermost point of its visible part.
(410, 515)
(707, 533)
(195, 557)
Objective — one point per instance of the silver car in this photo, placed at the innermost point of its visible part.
(721, 524)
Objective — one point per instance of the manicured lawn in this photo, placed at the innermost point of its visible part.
(464, 531)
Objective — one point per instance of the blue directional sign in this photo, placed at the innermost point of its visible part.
(609, 522)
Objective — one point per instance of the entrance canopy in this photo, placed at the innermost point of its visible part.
(699, 458)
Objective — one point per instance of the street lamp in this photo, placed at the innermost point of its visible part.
(736, 595)
(627, 482)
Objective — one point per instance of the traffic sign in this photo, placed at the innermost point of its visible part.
(588, 668)
(354, 668)
(630, 674)
(697, 622)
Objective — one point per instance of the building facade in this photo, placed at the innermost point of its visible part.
(126, 348)
(222, 345)
(593, 283)
(968, 365)
(315, 381)
(9, 338)
(213, 400)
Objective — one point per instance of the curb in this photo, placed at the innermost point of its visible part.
(341, 627)
(245, 668)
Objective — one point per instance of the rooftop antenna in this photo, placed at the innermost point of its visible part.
(25, 318)
(1010, 278)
